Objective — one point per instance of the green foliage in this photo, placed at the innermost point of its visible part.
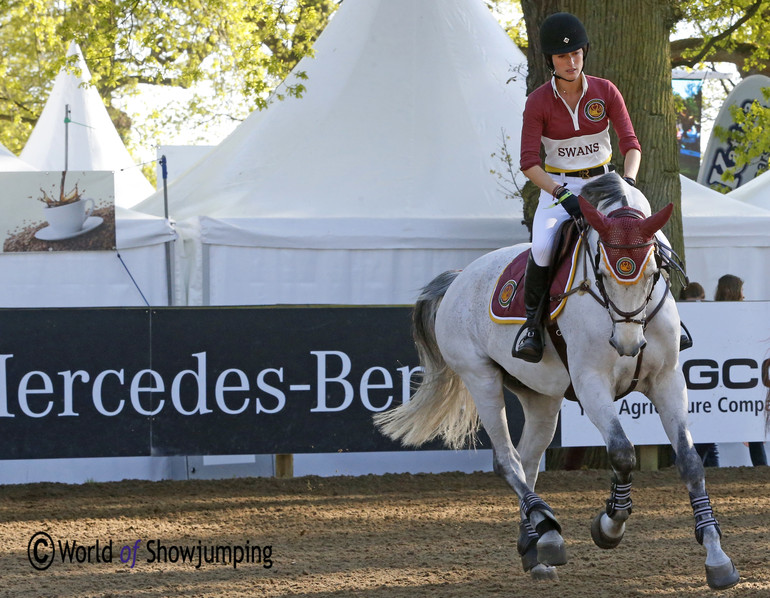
(734, 31)
(230, 55)
(751, 135)
(240, 49)
(508, 14)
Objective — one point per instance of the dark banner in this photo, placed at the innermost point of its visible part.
(203, 381)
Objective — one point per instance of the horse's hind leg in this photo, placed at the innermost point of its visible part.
(540, 416)
(485, 385)
(671, 402)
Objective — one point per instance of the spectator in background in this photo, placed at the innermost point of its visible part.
(708, 451)
(730, 288)
(692, 292)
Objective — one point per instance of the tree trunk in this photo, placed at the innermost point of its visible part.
(629, 46)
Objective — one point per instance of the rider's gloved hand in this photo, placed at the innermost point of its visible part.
(568, 201)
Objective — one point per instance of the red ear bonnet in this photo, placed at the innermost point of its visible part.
(657, 221)
(594, 217)
(627, 238)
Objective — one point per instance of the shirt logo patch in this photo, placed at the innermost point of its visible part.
(595, 110)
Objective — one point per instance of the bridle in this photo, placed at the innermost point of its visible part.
(616, 314)
(628, 317)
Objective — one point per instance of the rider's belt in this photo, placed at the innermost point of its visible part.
(585, 173)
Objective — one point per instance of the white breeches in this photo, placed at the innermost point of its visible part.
(548, 218)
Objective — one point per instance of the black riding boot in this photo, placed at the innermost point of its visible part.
(530, 347)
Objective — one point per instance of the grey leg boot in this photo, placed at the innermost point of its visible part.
(530, 338)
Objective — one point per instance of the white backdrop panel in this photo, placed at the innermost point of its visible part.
(268, 276)
(731, 351)
(83, 278)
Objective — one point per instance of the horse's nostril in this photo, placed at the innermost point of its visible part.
(624, 353)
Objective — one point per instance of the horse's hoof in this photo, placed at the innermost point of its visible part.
(551, 550)
(544, 573)
(601, 539)
(529, 558)
(721, 577)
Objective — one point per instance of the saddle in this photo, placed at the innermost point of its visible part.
(506, 305)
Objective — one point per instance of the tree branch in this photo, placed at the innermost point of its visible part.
(712, 42)
(737, 55)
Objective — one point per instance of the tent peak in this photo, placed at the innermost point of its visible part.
(74, 50)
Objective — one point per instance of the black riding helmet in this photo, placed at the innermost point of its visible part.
(562, 33)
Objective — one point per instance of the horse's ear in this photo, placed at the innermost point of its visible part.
(593, 216)
(655, 222)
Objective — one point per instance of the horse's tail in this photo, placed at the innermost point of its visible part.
(441, 406)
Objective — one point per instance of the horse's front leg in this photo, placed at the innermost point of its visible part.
(670, 399)
(541, 545)
(609, 526)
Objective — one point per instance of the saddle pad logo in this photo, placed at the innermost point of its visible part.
(507, 293)
(595, 110)
(625, 266)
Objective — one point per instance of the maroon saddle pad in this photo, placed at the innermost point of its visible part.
(506, 306)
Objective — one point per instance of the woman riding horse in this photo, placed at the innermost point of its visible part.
(570, 116)
(619, 327)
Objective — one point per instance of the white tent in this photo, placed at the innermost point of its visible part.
(10, 162)
(89, 278)
(756, 192)
(133, 276)
(377, 179)
(92, 143)
(725, 236)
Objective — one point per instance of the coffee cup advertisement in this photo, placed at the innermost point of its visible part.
(57, 211)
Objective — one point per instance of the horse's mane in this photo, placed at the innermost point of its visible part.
(609, 187)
